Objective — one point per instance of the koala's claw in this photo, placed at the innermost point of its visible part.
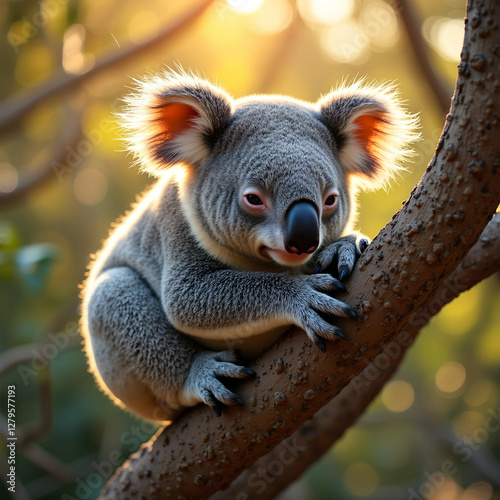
(352, 312)
(215, 405)
(340, 333)
(363, 244)
(339, 257)
(320, 343)
(343, 272)
(202, 383)
(248, 372)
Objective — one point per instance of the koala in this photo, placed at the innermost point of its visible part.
(245, 233)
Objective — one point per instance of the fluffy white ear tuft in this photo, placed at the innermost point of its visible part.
(371, 131)
(172, 118)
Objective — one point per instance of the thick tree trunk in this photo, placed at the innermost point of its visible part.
(397, 275)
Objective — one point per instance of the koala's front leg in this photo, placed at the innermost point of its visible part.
(146, 363)
(229, 304)
(339, 257)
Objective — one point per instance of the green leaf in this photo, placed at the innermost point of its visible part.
(9, 242)
(9, 237)
(34, 264)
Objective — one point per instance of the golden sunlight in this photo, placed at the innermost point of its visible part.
(479, 392)
(74, 60)
(450, 377)
(346, 42)
(321, 12)
(273, 17)
(143, 26)
(9, 177)
(361, 479)
(398, 396)
(445, 35)
(90, 186)
(245, 6)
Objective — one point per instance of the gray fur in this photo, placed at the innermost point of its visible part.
(185, 271)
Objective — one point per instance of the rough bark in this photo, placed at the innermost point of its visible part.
(316, 436)
(397, 275)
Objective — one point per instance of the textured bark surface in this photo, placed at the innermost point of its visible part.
(396, 276)
(317, 435)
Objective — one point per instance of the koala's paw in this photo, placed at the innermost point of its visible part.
(315, 308)
(203, 385)
(339, 258)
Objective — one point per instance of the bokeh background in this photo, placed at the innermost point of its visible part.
(69, 63)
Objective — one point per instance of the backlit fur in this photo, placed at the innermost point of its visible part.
(194, 268)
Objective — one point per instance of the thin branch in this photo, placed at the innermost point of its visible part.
(44, 421)
(484, 462)
(20, 492)
(20, 105)
(397, 275)
(442, 93)
(39, 456)
(16, 355)
(20, 354)
(46, 173)
(317, 436)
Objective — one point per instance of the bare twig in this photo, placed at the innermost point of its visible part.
(45, 173)
(16, 355)
(441, 92)
(15, 109)
(20, 354)
(20, 492)
(39, 456)
(44, 421)
(484, 462)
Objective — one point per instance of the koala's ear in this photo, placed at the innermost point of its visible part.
(371, 131)
(173, 118)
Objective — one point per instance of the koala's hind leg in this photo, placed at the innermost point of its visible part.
(140, 358)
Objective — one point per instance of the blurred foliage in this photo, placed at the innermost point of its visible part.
(31, 264)
(448, 391)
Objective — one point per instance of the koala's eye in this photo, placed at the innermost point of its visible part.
(253, 199)
(254, 202)
(331, 201)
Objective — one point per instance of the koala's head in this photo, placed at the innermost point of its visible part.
(266, 179)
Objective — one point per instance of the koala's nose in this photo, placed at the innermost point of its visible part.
(301, 228)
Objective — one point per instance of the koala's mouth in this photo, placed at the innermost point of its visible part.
(282, 257)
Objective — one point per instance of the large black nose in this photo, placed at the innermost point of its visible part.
(301, 228)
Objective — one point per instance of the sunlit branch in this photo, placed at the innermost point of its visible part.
(316, 437)
(404, 266)
(20, 105)
(45, 173)
(40, 457)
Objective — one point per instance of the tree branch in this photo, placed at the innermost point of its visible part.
(418, 46)
(316, 437)
(19, 106)
(46, 172)
(397, 275)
